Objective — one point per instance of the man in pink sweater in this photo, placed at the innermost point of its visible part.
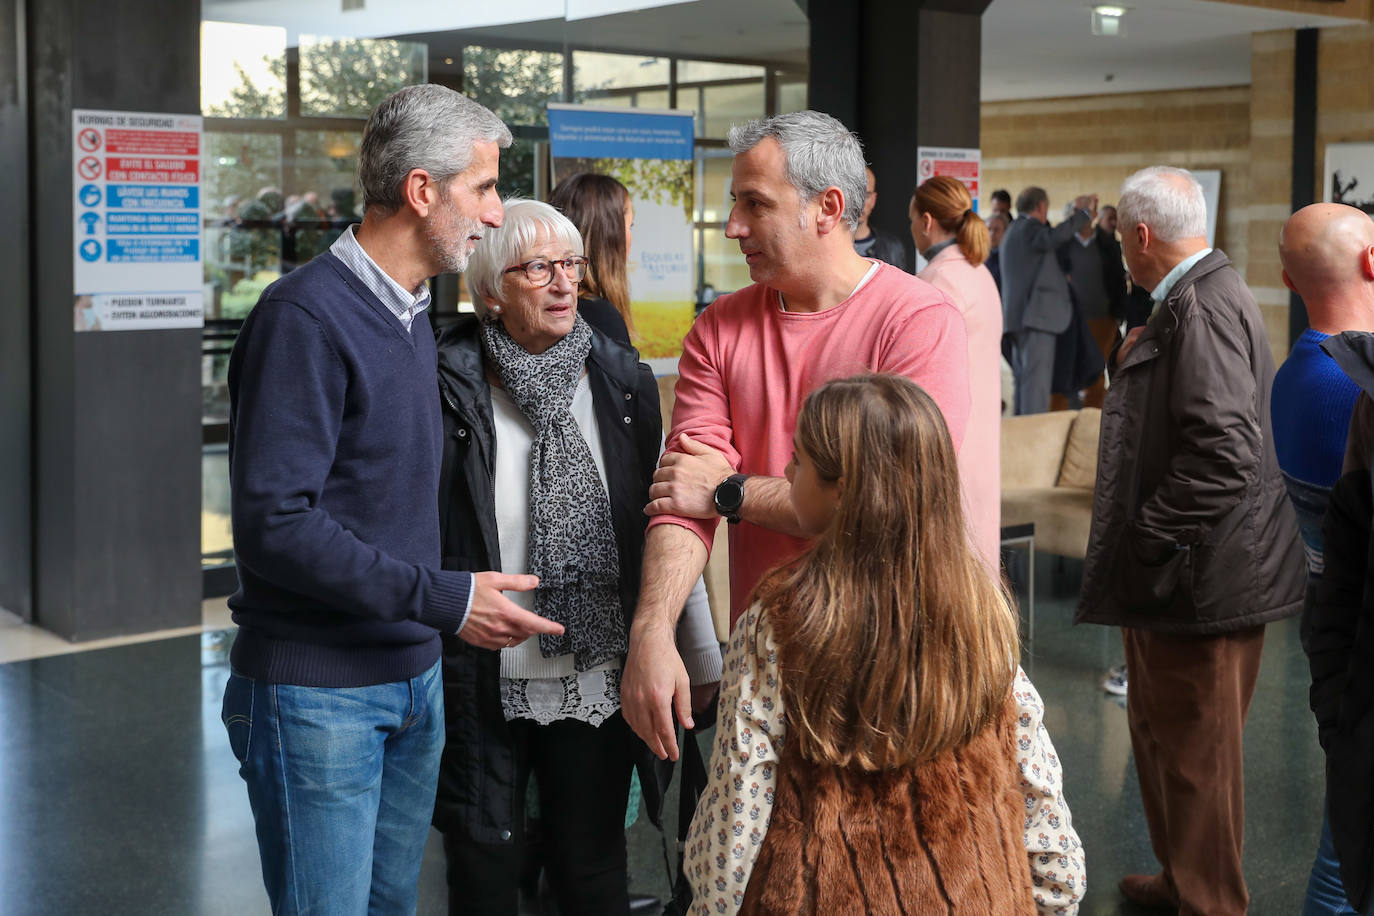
(816, 311)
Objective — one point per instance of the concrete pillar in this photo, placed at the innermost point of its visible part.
(116, 472)
(1271, 177)
(902, 74)
(16, 557)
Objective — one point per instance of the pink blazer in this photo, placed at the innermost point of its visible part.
(974, 293)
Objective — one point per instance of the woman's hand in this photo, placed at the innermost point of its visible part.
(496, 622)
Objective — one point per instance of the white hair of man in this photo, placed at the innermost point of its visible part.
(527, 223)
(819, 153)
(426, 127)
(1168, 200)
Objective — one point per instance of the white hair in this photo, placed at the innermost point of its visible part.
(819, 153)
(525, 223)
(1168, 200)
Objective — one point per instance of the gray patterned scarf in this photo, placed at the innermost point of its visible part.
(571, 539)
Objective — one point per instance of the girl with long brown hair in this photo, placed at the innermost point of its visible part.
(601, 209)
(878, 749)
(954, 240)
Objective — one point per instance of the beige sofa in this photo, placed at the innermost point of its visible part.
(1049, 464)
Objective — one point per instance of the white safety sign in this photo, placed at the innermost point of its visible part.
(136, 205)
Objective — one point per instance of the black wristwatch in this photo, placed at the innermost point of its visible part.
(729, 497)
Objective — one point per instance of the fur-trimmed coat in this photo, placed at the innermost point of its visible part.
(941, 837)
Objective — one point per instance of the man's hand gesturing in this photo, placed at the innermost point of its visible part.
(496, 622)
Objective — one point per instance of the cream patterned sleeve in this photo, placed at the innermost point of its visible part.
(1057, 864)
(733, 811)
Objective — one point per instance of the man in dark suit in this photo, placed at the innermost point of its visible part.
(997, 231)
(1035, 294)
(1097, 278)
(872, 242)
(1113, 265)
(1001, 203)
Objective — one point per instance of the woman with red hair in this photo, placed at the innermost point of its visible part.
(954, 240)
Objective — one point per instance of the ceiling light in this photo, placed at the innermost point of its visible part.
(1107, 20)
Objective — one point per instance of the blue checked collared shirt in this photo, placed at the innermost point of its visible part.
(404, 304)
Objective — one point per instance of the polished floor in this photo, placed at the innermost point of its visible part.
(118, 794)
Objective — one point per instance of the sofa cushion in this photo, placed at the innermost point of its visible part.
(1062, 517)
(1033, 448)
(1080, 454)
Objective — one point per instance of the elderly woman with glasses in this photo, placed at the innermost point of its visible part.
(552, 433)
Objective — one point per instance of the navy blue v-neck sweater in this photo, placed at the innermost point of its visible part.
(335, 439)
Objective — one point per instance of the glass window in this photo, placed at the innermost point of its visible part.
(722, 266)
(348, 76)
(241, 180)
(323, 197)
(519, 165)
(789, 94)
(655, 98)
(610, 79)
(715, 186)
(725, 106)
(216, 538)
(719, 263)
(517, 85)
(242, 70)
(326, 166)
(706, 71)
(721, 94)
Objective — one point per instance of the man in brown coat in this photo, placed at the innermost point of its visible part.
(1194, 546)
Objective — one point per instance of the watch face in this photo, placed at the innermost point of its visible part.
(729, 496)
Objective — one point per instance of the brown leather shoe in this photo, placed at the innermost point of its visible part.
(1149, 890)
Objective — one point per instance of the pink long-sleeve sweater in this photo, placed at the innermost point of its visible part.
(974, 293)
(747, 366)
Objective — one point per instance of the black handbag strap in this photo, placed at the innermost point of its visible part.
(691, 785)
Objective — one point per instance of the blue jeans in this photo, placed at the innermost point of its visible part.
(1325, 893)
(341, 782)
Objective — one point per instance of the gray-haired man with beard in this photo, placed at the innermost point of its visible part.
(334, 707)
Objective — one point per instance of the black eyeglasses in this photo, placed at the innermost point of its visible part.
(540, 270)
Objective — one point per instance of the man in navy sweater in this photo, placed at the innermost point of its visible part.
(335, 708)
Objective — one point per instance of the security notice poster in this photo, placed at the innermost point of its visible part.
(650, 152)
(963, 163)
(136, 259)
